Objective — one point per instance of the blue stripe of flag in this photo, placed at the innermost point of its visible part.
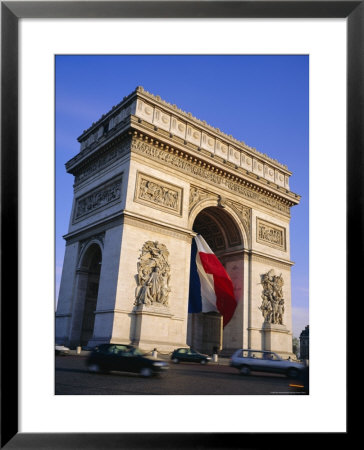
(194, 301)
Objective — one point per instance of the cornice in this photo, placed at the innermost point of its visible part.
(129, 106)
(158, 101)
(217, 168)
(131, 218)
(87, 155)
(262, 257)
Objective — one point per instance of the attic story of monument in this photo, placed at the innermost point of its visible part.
(147, 179)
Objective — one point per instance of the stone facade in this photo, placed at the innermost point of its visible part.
(147, 179)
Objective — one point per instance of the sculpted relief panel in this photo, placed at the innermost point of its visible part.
(272, 306)
(200, 171)
(153, 275)
(272, 235)
(101, 197)
(157, 194)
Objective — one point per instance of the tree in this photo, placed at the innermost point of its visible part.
(295, 346)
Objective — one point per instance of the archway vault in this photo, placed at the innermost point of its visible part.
(224, 232)
(226, 224)
(218, 228)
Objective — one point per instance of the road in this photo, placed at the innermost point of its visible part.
(72, 378)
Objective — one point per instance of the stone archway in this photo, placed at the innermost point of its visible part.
(88, 277)
(225, 238)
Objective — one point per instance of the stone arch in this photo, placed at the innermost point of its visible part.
(86, 294)
(222, 228)
(233, 212)
(84, 248)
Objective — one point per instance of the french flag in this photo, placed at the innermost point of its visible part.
(211, 288)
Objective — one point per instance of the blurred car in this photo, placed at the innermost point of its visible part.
(262, 361)
(61, 350)
(123, 358)
(189, 355)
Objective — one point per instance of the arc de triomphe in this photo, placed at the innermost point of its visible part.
(148, 177)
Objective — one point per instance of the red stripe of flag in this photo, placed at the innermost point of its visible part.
(224, 290)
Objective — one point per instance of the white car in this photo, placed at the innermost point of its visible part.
(62, 350)
(262, 361)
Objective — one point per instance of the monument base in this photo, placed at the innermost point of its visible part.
(204, 332)
(156, 327)
(277, 339)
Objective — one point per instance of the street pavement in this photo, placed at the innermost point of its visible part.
(73, 378)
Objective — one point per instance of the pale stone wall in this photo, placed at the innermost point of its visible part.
(66, 294)
(173, 329)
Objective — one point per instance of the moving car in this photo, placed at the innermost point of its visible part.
(62, 350)
(124, 358)
(262, 361)
(189, 355)
(302, 384)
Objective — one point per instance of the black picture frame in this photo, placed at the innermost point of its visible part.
(11, 12)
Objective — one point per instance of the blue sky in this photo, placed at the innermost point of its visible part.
(261, 100)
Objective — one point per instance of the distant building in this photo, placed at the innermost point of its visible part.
(304, 343)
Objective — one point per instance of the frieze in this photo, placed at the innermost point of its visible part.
(101, 162)
(157, 194)
(271, 234)
(200, 171)
(97, 199)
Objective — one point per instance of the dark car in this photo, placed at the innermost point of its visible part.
(189, 355)
(124, 358)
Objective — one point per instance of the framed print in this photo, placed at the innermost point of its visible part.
(33, 33)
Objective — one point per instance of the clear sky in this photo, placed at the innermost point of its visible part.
(261, 100)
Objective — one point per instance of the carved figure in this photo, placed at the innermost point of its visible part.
(272, 306)
(153, 275)
(158, 194)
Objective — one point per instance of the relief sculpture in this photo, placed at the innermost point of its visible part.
(272, 306)
(158, 194)
(153, 275)
(97, 199)
(272, 235)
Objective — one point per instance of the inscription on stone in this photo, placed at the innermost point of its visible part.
(158, 194)
(272, 235)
